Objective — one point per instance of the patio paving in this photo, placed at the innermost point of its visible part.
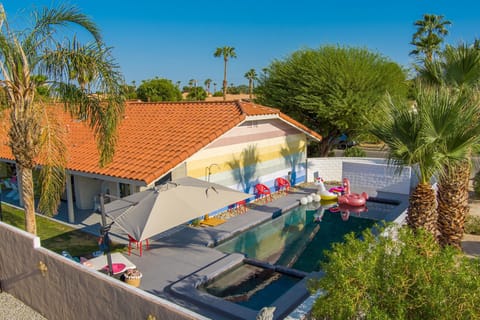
(185, 252)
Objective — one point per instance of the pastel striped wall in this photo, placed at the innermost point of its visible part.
(254, 152)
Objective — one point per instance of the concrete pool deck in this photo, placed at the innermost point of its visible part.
(178, 260)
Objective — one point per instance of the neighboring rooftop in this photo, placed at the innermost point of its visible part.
(156, 137)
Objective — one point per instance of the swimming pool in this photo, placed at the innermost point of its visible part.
(251, 286)
(295, 239)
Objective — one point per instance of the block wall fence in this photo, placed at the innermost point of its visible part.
(68, 290)
(370, 174)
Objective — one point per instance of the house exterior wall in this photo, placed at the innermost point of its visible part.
(86, 190)
(253, 152)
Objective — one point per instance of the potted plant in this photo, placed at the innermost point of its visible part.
(133, 277)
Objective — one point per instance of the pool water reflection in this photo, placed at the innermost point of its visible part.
(296, 239)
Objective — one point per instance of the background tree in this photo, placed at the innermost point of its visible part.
(130, 91)
(431, 31)
(207, 84)
(225, 52)
(35, 133)
(333, 90)
(251, 75)
(196, 94)
(157, 89)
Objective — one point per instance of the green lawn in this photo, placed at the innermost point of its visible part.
(56, 236)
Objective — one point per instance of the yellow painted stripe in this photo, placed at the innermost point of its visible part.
(198, 168)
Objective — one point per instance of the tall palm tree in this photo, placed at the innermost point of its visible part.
(458, 70)
(430, 34)
(207, 85)
(35, 134)
(458, 132)
(251, 75)
(403, 131)
(225, 52)
(457, 67)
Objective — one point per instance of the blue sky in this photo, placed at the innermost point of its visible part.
(176, 39)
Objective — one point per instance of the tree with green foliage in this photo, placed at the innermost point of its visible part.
(207, 84)
(430, 34)
(251, 75)
(226, 52)
(333, 90)
(36, 135)
(196, 94)
(404, 132)
(436, 136)
(405, 276)
(158, 89)
(457, 71)
(130, 91)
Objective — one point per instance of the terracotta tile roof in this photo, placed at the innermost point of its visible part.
(156, 137)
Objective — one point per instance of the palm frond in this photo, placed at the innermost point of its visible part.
(53, 160)
(47, 21)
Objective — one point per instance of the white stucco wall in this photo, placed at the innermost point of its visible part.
(86, 189)
(370, 174)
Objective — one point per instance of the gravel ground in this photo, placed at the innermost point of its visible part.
(13, 309)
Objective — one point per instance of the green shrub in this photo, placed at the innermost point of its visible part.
(472, 225)
(408, 278)
(355, 152)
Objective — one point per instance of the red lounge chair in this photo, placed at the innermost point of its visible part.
(282, 185)
(241, 206)
(138, 244)
(263, 192)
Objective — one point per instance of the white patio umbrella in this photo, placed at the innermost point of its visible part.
(150, 212)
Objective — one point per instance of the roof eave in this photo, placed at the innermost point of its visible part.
(277, 117)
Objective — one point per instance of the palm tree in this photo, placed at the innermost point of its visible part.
(214, 87)
(429, 36)
(403, 131)
(207, 85)
(458, 70)
(458, 133)
(251, 75)
(457, 67)
(225, 52)
(35, 134)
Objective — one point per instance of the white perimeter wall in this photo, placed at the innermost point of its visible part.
(370, 174)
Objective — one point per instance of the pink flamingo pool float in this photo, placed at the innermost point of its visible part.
(352, 199)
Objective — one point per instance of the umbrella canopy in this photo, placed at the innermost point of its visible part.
(150, 212)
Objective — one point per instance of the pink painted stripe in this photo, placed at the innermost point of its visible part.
(226, 141)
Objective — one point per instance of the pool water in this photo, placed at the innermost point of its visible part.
(250, 286)
(297, 239)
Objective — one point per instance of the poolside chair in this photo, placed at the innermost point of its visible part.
(263, 192)
(282, 185)
(138, 244)
(241, 207)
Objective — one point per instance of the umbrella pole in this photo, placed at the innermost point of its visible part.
(104, 231)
